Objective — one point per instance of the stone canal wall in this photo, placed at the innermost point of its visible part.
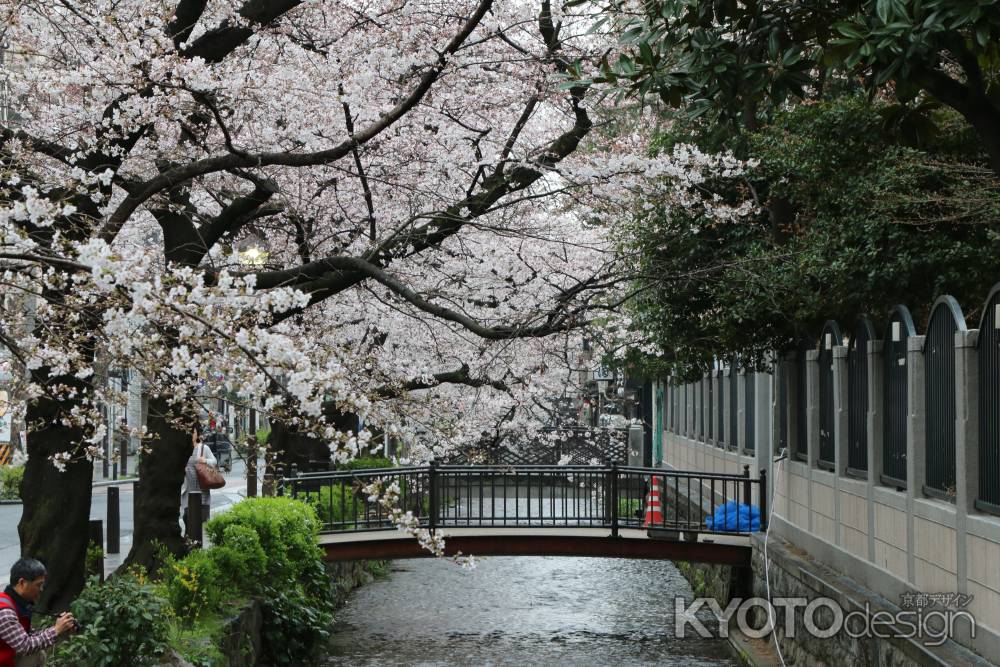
(793, 573)
(241, 640)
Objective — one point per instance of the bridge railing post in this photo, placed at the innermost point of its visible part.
(762, 488)
(292, 475)
(614, 499)
(432, 489)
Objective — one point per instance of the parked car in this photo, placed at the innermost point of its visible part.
(222, 448)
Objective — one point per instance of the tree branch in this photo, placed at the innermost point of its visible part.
(459, 376)
(238, 210)
(361, 173)
(232, 161)
(355, 268)
(185, 17)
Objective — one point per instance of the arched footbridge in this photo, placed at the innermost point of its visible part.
(532, 510)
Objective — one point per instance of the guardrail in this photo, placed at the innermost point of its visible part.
(530, 496)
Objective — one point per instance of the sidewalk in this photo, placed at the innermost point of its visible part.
(10, 549)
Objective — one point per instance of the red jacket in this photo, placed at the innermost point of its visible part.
(7, 656)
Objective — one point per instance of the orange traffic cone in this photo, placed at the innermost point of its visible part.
(654, 511)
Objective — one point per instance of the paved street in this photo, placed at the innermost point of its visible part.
(10, 515)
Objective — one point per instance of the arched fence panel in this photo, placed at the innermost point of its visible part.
(782, 370)
(720, 438)
(857, 397)
(801, 431)
(939, 393)
(749, 413)
(701, 409)
(899, 329)
(988, 499)
(829, 339)
(658, 432)
(675, 392)
(734, 402)
(708, 414)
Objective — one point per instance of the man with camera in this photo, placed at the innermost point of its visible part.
(27, 579)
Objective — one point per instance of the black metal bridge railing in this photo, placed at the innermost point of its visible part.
(530, 496)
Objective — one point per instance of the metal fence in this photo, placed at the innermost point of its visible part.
(889, 361)
(612, 497)
(857, 397)
(988, 351)
(782, 369)
(702, 392)
(710, 416)
(749, 412)
(828, 339)
(895, 396)
(720, 409)
(734, 401)
(801, 430)
(939, 386)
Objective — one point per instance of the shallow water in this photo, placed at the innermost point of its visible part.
(521, 611)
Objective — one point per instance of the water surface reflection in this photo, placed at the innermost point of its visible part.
(521, 611)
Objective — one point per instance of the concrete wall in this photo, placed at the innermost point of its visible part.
(889, 540)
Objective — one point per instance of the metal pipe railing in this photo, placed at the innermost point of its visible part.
(574, 496)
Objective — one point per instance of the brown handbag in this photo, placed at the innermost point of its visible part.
(208, 477)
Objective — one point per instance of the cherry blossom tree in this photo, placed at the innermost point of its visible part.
(420, 185)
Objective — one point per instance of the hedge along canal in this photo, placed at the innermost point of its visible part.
(522, 610)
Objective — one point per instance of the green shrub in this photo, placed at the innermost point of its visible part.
(198, 643)
(94, 563)
(287, 531)
(124, 622)
(337, 504)
(294, 626)
(196, 585)
(627, 507)
(378, 568)
(10, 482)
(365, 463)
(295, 587)
(241, 557)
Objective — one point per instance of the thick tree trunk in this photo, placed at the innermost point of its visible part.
(986, 119)
(970, 100)
(288, 447)
(158, 503)
(54, 519)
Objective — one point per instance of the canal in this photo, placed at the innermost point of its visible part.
(522, 611)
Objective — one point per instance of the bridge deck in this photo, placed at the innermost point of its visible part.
(631, 543)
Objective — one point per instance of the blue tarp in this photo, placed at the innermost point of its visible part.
(734, 517)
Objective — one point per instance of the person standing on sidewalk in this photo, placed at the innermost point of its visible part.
(27, 579)
(200, 453)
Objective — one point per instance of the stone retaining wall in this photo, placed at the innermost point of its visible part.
(794, 573)
(242, 638)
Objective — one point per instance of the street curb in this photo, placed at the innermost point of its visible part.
(10, 502)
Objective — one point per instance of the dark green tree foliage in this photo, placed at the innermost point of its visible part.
(733, 62)
(870, 222)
